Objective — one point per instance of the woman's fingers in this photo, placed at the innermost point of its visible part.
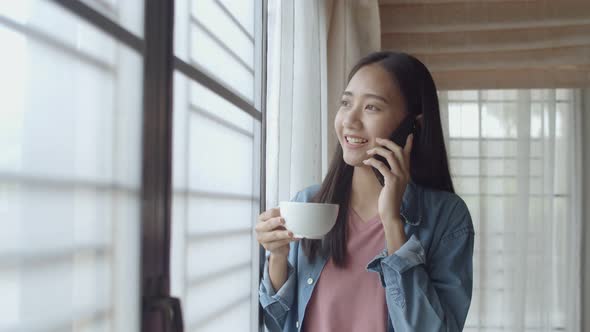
(277, 235)
(269, 224)
(380, 166)
(394, 159)
(404, 153)
(408, 146)
(271, 232)
(270, 213)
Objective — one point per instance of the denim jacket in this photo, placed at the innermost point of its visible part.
(427, 282)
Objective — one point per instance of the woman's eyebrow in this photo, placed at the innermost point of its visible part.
(348, 93)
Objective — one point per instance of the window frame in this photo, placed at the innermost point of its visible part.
(522, 96)
(160, 311)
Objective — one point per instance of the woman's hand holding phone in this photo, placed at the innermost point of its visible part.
(395, 179)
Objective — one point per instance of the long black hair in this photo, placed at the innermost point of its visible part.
(429, 164)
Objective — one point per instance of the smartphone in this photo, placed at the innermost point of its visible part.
(399, 136)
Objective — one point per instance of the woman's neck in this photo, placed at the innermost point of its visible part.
(364, 194)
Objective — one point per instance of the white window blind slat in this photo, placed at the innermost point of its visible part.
(69, 181)
(215, 160)
(219, 107)
(213, 16)
(220, 63)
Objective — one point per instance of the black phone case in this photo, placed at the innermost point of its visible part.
(399, 137)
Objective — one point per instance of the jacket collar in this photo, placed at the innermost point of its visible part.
(411, 210)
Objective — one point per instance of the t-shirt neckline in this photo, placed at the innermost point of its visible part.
(360, 223)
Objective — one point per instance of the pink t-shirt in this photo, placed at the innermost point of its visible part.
(351, 298)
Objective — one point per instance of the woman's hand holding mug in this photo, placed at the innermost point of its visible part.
(272, 234)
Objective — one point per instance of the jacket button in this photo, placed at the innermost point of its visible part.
(309, 281)
(297, 324)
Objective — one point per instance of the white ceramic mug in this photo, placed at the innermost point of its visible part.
(309, 220)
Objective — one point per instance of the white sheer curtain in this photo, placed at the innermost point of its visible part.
(515, 160)
(70, 166)
(312, 46)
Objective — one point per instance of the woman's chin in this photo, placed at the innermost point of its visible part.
(354, 162)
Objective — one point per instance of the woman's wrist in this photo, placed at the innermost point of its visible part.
(278, 257)
(277, 262)
(394, 235)
(277, 267)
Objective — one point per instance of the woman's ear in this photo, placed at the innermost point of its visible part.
(420, 119)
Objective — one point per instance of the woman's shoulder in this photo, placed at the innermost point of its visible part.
(449, 206)
(441, 197)
(305, 194)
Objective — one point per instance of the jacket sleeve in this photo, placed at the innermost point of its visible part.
(434, 295)
(276, 305)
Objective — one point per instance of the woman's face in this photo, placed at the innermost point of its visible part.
(371, 106)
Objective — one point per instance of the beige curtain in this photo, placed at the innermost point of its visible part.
(354, 31)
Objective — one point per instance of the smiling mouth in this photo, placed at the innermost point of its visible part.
(355, 141)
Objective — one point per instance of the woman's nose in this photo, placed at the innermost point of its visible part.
(351, 118)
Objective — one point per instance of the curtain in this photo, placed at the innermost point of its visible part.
(312, 46)
(515, 160)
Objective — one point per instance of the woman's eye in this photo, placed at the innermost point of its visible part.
(344, 103)
(372, 108)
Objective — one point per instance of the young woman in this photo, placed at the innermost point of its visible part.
(400, 255)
